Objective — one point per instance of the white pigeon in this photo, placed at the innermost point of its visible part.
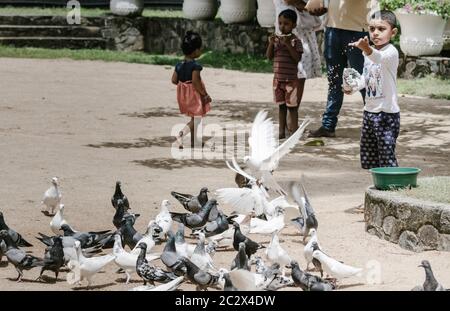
(86, 268)
(163, 219)
(335, 268)
(125, 260)
(58, 220)
(167, 287)
(260, 226)
(265, 155)
(308, 249)
(244, 280)
(52, 197)
(276, 254)
(199, 257)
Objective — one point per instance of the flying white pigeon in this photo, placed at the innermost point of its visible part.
(86, 268)
(58, 220)
(308, 249)
(125, 260)
(335, 268)
(265, 155)
(52, 197)
(276, 254)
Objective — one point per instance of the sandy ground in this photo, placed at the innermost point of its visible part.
(92, 123)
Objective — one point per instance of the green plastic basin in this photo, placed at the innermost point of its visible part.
(386, 178)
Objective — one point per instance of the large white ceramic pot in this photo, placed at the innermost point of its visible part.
(422, 34)
(237, 11)
(200, 9)
(266, 13)
(126, 7)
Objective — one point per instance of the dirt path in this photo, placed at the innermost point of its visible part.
(91, 123)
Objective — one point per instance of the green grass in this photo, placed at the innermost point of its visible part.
(434, 189)
(427, 87)
(208, 59)
(86, 12)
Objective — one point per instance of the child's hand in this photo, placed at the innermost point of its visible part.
(272, 39)
(362, 44)
(285, 40)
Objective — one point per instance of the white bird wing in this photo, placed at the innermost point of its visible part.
(270, 163)
(243, 280)
(269, 181)
(237, 169)
(262, 138)
(243, 200)
(95, 264)
(167, 287)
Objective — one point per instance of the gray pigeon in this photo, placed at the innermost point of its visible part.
(16, 237)
(118, 195)
(200, 278)
(307, 220)
(129, 234)
(219, 225)
(195, 220)
(307, 281)
(430, 284)
(170, 258)
(87, 239)
(2, 249)
(192, 203)
(229, 287)
(241, 259)
(150, 273)
(17, 257)
(53, 258)
(121, 213)
(250, 246)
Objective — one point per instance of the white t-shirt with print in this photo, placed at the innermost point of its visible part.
(380, 80)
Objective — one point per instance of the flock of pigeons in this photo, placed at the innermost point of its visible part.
(261, 206)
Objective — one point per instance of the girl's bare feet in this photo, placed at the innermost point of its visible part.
(180, 140)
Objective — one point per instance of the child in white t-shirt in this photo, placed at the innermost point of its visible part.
(381, 121)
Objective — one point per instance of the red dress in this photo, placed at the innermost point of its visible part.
(189, 100)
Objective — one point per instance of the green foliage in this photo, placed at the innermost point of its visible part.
(441, 7)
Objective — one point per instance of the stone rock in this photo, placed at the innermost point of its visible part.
(429, 237)
(403, 212)
(392, 228)
(408, 240)
(444, 243)
(445, 221)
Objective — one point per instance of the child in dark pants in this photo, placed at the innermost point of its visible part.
(381, 121)
(286, 52)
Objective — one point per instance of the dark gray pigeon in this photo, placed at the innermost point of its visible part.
(192, 203)
(170, 258)
(219, 225)
(87, 239)
(195, 220)
(121, 213)
(241, 259)
(53, 258)
(130, 236)
(251, 247)
(430, 284)
(17, 257)
(150, 273)
(118, 195)
(198, 277)
(16, 237)
(307, 281)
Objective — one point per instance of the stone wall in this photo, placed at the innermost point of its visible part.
(414, 225)
(417, 67)
(158, 35)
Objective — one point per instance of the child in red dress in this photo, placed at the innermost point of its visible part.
(193, 100)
